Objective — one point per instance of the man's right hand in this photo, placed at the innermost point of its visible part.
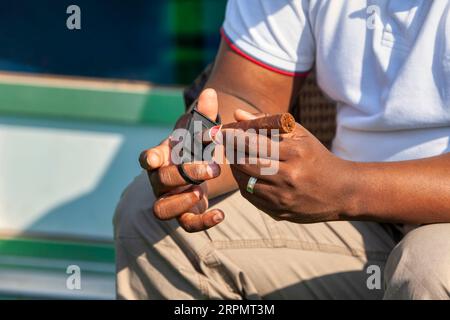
(175, 197)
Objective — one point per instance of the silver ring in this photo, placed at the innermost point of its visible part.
(251, 184)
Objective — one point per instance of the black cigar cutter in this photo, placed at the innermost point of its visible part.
(193, 148)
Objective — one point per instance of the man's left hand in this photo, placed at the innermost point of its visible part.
(311, 185)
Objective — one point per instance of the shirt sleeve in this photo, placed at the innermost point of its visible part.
(276, 34)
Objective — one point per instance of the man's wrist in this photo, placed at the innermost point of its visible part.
(354, 191)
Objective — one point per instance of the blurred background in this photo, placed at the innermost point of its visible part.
(76, 108)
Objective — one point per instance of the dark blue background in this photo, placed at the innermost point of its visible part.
(118, 39)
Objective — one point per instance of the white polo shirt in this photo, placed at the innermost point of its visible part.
(385, 62)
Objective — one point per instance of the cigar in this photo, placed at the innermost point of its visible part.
(284, 122)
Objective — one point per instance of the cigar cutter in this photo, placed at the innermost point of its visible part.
(193, 148)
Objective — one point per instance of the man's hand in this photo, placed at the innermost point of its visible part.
(238, 83)
(311, 185)
(176, 198)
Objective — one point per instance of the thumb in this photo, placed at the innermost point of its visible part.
(208, 104)
(155, 157)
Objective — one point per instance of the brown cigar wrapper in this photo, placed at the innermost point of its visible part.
(284, 122)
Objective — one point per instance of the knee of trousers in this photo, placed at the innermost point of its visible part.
(419, 266)
(134, 213)
(168, 262)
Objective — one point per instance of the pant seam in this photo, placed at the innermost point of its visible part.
(295, 244)
(203, 286)
(209, 251)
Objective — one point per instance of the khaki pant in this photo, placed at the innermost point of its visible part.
(251, 256)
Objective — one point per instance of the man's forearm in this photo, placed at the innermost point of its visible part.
(412, 192)
(242, 84)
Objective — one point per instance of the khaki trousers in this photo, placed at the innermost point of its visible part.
(252, 256)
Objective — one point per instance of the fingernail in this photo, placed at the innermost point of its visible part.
(245, 112)
(174, 140)
(218, 217)
(213, 170)
(197, 193)
(212, 133)
(154, 160)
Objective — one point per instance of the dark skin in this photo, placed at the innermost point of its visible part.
(312, 185)
(235, 86)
